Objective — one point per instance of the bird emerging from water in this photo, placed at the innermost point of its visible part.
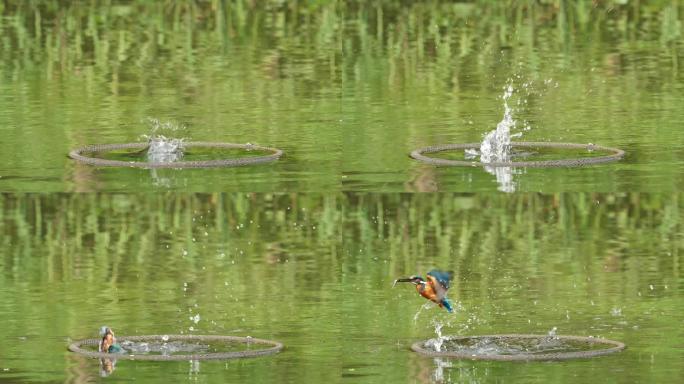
(108, 343)
(434, 288)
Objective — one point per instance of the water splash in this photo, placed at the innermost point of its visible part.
(552, 332)
(496, 145)
(166, 141)
(438, 342)
(487, 345)
(159, 127)
(420, 310)
(164, 150)
(164, 348)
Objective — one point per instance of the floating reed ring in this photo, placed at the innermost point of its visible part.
(272, 347)
(613, 154)
(78, 154)
(611, 346)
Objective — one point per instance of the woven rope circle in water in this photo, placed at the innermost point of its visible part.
(611, 347)
(614, 154)
(78, 155)
(273, 347)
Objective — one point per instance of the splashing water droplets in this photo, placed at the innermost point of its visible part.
(420, 310)
(164, 150)
(163, 147)
(496, 144)
(437, 342)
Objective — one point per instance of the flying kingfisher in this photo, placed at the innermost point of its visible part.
(434, 288)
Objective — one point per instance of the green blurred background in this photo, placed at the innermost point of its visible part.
(305, 250)
(346, 88)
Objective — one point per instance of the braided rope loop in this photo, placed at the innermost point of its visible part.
(614, 154)
(594, 343)
(272, 348)
(78, 154)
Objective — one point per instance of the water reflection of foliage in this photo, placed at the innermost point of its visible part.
(365, 77)
(311, 267)
(70, 38)
(468, 233)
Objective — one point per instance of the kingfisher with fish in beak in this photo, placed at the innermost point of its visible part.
(434, 288)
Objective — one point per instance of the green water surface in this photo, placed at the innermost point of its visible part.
(346, 88)
(315, 272)
(304, 250)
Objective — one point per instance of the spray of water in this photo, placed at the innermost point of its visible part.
(420, 310)
(552, 332)
(437, 342)
(164, 150)
(164, 147)
(496, 144)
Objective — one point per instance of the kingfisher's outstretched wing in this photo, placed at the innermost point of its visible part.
(440, 281)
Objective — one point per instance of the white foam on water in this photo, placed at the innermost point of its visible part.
(164, 150)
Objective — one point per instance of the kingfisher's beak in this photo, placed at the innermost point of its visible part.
(402, 280)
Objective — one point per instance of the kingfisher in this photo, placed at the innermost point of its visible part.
(108, 343)
(434, 288)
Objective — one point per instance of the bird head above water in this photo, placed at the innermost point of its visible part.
(105, 330)
(108, 343)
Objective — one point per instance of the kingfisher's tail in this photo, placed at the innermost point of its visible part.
(447, 304)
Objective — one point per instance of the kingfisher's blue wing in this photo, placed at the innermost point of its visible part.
(442, 277)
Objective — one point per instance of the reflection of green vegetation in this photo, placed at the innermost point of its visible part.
(347, 87)
(110, 33)
(458, 38)
(324, 264)
(438, 224)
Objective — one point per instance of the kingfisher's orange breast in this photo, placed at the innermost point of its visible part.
(427, 292)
